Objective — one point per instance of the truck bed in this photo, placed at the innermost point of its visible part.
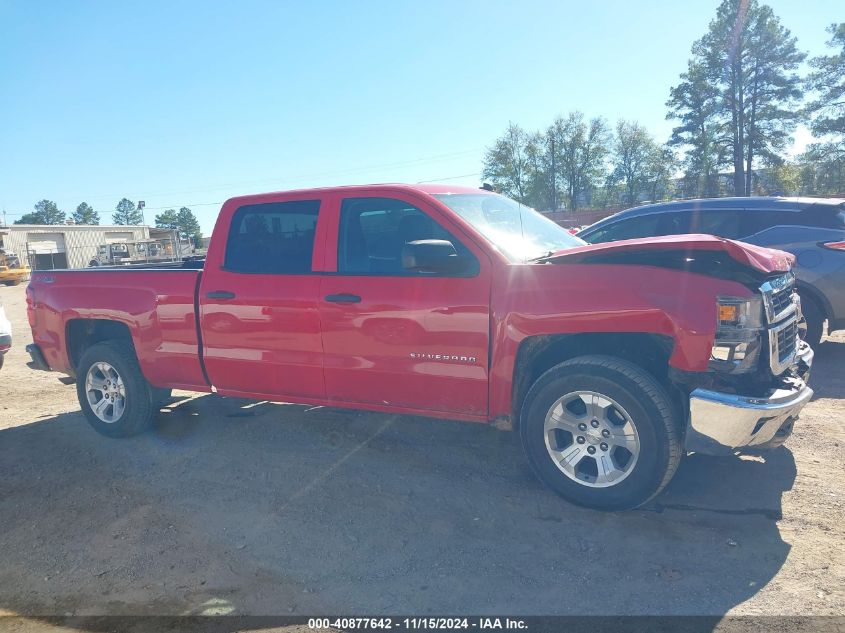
(156, 304)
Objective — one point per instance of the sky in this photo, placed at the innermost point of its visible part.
(188, 103)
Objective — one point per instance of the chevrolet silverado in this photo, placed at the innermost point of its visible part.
(611, 360)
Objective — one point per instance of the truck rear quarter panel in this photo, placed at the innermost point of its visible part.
(157, 307)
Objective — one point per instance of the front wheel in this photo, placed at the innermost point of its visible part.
(113, 393)
(601, 433)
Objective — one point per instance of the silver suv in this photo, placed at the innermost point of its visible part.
(812, 229)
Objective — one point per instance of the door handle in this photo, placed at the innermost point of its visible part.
(343, 298)
(220, 294)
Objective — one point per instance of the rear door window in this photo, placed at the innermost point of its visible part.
(757, 220)
(719, 222)
(821, 216)
(272, 238)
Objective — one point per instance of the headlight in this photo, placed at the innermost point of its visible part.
(728, 313)
(737, 344)
(740, 313)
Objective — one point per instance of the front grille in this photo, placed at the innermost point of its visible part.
(787, 341)
(782, 310)
(778, 297)
(781, 301)
(783, 345)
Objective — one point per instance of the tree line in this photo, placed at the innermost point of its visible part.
(735, 107)
(126, 213)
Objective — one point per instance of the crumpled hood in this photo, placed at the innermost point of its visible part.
(764, 260)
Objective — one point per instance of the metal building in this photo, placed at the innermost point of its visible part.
(53, 246)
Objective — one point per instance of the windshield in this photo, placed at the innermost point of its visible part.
(519, 232)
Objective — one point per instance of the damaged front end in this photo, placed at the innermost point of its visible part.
(755, 385)
(759, 368)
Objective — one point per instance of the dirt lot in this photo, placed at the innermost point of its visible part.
(256, 508)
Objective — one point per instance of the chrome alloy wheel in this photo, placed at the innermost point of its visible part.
(591, 439)
(106, 392)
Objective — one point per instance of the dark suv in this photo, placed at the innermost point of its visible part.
(812, 229)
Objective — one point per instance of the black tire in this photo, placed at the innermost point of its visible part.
(2, 356)
(811, 327)
(138, 411)
(649, 408)
(14, 282)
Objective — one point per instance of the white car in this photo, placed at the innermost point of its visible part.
(5, 334)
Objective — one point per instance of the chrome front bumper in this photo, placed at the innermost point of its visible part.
(720, 423)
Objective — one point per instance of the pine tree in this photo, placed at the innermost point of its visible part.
(828, 80)
(46, 212)
(749, 61)
(84, 214)
(125, 213)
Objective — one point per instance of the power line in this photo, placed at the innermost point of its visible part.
(210, 204)
(422, 182)
(301, 177)
(220, 202)
(188, 205)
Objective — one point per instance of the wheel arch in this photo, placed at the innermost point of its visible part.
(80, 334)
(538, 354)
(808, 290)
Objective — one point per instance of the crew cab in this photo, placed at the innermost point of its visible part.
(611, 360)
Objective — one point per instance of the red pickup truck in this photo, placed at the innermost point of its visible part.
(611, 360)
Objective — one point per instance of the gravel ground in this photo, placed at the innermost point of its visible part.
(257, 508)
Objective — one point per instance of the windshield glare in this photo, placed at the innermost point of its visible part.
(519, 232)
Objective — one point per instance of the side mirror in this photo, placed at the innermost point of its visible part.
(432, 256)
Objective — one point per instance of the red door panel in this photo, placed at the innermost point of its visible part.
(258, 299)
(418, 343)
(265, 340)
(395, 339)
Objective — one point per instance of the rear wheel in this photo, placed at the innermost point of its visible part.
(113, 393)
(811, 325)
(14, 282)
(600, 432)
